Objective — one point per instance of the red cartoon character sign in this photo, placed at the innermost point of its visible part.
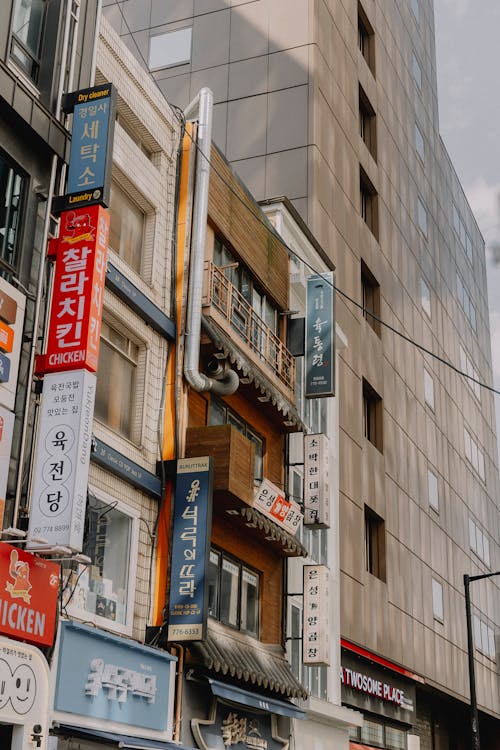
(19, 571)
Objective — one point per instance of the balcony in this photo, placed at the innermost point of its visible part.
(233, 456)
(225, 306)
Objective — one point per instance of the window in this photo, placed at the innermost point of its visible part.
(27, 33)
(372, 416)
(12, 187)
(462, 233)
(233, 593)
(428, 389)
(474, 454)
(368, 202)
(467, 367)
(416, 71)
(433, 490)
(375, 544)
(366, 39)
(419, 143)
(415, 7)
(370, 290)
(172, 48)
(479, 542)
(115, 401)
(425, 297)
(219, 413)
(437, 600)
(484, 638)
(377, 734)
(100, 592)
(422, 216)
(367, 123)
(465, 302)
(126, 232)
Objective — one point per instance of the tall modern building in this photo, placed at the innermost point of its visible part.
(334, 105)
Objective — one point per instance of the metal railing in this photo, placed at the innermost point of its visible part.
(244, 321)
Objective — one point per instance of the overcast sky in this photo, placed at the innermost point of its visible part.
(469, 117)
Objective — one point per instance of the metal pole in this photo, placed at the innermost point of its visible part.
(474, 719)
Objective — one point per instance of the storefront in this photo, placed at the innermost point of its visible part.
(386, 696)
(110, 692)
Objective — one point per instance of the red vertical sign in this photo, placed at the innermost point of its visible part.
(80, 271)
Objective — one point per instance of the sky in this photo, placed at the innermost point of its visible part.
(469, 119)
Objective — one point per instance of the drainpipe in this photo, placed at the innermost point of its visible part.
(200, 109)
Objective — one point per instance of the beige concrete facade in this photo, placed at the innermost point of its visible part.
(287, 77)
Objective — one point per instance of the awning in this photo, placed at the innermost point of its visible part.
(247, 698)
(122, 741)
(273, 532)
(232, 653)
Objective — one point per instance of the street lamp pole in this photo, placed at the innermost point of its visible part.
(474, 718)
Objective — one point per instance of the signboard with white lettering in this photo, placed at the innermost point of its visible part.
(29, 589)
(187, 619)
(12, 307)
(24, 694)
(102, 676)
(316, 481)
(77, 298)
(237, 727)
(62, 457)
(271, 501)
(370, 688)
(316, 621)
(320, 336)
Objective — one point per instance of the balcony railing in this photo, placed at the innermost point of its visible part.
(244, 321)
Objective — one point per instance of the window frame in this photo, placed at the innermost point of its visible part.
(105, 623)
(368, 203)
(15, 173)
(375, 544)
(429, 390)
(372, 416)
(370, 297)
(430, 494)
(118, 186)
(242, 568)
(422, 217)
(367, 123)
(437, 600)
(136, 416)
(366, 39)
(32, 71)
(182, 60)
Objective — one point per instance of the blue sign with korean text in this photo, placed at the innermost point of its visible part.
(103, 676)
(89, 171)
(320, 336)
(187, 618)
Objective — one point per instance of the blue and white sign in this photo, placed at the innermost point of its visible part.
(320, 332)
(89, 170)
(187, 620)
(103, 676)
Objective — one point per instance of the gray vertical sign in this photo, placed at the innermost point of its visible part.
(320, 333)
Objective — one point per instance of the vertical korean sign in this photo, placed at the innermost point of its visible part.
(316, 625)
(190, 550)
(89, 172)
(60, 473)
(316, 481)
(320, 336)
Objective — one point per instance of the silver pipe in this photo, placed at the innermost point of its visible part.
(200, 109)
(36, 320)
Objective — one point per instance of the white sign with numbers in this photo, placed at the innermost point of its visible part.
(61, 466)
(271, 501)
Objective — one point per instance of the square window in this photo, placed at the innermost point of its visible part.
(27, 28)
(437, 600)
(172, 48)
(375, 544)
(433, 490)
(126, 231)
(419, 143)
(422, 216)
(370, 290)
(425, 298)
(12, 189)
(372, 416)
(428, 389)
(100, 592)
(116, 402)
